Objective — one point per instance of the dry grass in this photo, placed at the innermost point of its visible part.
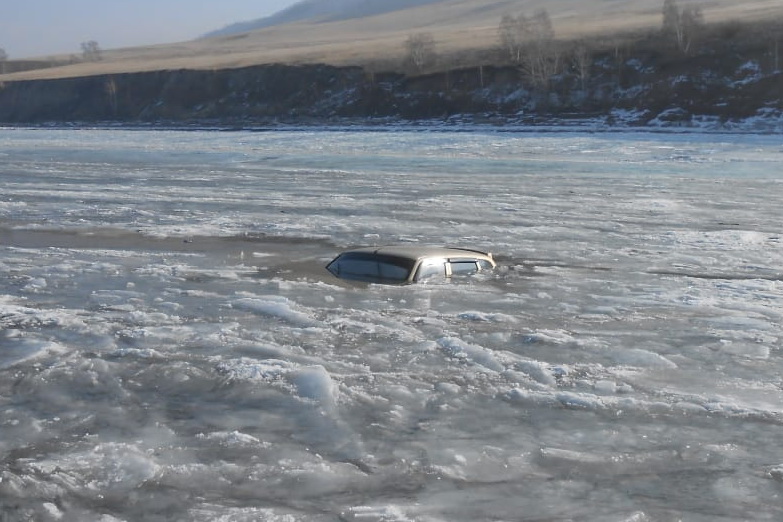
(457, 25)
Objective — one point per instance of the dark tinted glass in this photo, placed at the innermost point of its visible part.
(463, 267)
(370, 267)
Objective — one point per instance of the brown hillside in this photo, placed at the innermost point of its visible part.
(457, 25)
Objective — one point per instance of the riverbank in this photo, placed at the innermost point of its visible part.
(278, 96)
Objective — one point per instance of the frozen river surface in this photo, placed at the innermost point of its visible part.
(171, 347)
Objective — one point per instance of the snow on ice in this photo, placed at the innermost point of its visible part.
(171, 347)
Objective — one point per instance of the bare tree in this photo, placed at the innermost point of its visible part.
(692, 23)
(3, 59)
(541, 27)
(542, 58)
(681, 25)
(773, 36)
(513, 32)
(582, 60)
(530, 43)
(91, 52)
(671, 18)
(111, 94)
(421, 49)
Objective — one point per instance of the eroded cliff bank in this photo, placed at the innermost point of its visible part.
(643, 89)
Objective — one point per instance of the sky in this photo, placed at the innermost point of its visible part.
(32, 28)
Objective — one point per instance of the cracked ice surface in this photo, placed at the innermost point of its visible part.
(172, 348)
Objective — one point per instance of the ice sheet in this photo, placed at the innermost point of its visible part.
(171, 346)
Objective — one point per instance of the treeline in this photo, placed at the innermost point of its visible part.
(91, 52)
(530, 43)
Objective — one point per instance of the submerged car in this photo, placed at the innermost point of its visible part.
(408, 264)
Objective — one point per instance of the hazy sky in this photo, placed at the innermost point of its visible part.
(30, 28)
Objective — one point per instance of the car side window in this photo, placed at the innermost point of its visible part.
(392, 272)
(356, 267)
(460, 268)
(483, 264)
(431, 268)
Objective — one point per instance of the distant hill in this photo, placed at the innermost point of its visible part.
(321, 11)
(373, 33)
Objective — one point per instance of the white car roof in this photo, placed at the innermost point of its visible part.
(415, 252)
